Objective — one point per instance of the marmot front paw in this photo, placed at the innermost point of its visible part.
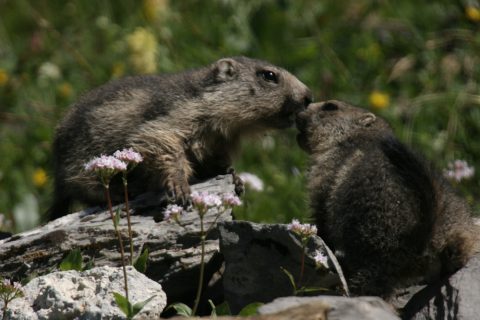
(179, 192)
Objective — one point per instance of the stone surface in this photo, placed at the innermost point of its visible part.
(86, 295)
(174, 250)
(457, 297)
(337, 308)
(307, 311)
(255, 255)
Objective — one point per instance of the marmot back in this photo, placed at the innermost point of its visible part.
(390, 218)
(185, 125)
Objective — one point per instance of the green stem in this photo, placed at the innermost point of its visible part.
(214, 221)
(119, 237)
(302, 266)
(4, 309)
(202, 267)
(125, 191)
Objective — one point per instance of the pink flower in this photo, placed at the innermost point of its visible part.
(5, 282)
(108, 163)
(172, 210)
(302, 229)
(205, 200)
(11, 284)
(105, 167)
(459, 170)
(321, 259)
(128, 156)
(252, 181)
(231, 200)
(17, 285)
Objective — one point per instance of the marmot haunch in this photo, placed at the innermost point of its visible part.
(391, 217)
(185, 125)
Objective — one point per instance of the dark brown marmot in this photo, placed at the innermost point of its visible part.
(185, 125)
(392, 220)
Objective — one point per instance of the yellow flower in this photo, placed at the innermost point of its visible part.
(379, 100)
(371, 52)
(3, 77)
(143, 50)
(39, 177)
(118, 69)
(473, 13)
(65, 90)
(152, 9)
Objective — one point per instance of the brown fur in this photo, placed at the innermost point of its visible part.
(185, 125)
(392, 219)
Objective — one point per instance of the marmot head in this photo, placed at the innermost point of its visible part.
(325, 124)
(245, 92)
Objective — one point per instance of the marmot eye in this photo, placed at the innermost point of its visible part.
(329, 106)
(269, 76)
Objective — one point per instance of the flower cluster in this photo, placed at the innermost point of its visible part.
(143, 48)
(230, 200)
(202, 201)
(7, 283)
(153, 9)
(251, 180)
(49, 71)
(39, 177)
(65, 90)
(172, 211)
(379, 100)
(321, 259)
(458, 171)
(104, 162)
(128, 155)
(9, 290)
(107, 166)
(473, 13)
(3, 77)
(304, 230)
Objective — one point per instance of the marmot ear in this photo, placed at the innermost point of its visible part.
(367, 119)
(226, 69)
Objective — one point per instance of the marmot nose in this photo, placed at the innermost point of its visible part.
(301, 120)
(307, 99)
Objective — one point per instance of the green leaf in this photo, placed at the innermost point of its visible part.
(250, 309)
(290, 276)
(89, 265)
(141, 262)
(137, 307)
(214, 309)
(117, 217)
(73, 261)
(223, 309)
(181, 309)
(311, 289)
(123, 304)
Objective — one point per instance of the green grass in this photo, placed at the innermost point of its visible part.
(422, 56)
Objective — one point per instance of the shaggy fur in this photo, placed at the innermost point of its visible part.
(186, 126)
(392, 220)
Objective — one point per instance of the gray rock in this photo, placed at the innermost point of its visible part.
(255, 255)
(86, 295)
(174, 250)
(337, 308)
(457, 297)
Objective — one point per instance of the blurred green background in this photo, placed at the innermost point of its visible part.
(415, 63)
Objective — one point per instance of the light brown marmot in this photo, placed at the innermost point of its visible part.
(185, 125)
(392, 219)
